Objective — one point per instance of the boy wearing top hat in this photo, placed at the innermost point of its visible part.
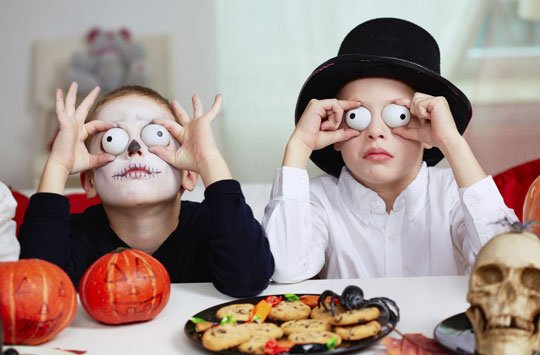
(376, 118)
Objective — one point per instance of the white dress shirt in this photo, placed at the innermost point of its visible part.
(338, 228)
(9, 245)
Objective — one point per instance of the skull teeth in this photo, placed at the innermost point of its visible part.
(508, 321)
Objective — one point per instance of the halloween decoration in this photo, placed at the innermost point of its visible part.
(353, 298)
(531, 206)
(37, 301)
(125, 286)
(504, 295)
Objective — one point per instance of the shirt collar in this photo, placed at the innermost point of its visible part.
(413, 198)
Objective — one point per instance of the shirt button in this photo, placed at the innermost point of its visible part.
(375, 204)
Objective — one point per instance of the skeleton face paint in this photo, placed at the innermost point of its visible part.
(136, 176)
(504, 294)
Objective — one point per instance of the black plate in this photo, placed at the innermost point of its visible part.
(209, 314)
(455, 333)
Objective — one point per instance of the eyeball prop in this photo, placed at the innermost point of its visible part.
(115, 141)
(154, 134)
(396, 116)
(358, 118)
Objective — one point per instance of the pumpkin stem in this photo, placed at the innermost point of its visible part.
(120, 249)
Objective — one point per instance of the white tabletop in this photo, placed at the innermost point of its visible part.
(424, 302)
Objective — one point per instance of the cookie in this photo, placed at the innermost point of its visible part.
(269, 330)
(360, 331)
(239, 312)
(316, 337)
(255, 345)
(356, 316)
(224, 336)
(304, 325)
(286, 311)
(321, 313)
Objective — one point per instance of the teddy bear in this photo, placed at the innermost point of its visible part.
(112, 60)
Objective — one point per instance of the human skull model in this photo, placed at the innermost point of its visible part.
(504, 295)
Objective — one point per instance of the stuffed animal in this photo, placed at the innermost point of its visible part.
(112, 60)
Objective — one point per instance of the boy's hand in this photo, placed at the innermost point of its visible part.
(436, 128)
(318, 127)
(198, 151)
(69, 151)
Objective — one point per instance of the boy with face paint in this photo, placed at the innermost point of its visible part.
(374, 118)
(135, 156)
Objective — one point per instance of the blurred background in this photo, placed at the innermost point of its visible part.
(257, 53)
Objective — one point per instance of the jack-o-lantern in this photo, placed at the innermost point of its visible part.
(125, 286)
(531, 206)
(37, 301)
(504, 295)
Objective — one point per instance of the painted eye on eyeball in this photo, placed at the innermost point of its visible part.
(396, 116)
(358, 118)
(115, 141)
(154, 134)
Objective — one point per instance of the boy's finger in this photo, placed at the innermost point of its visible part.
(71, 98)
(197, 106)
(403, 102)
(180, 113)
(174, 128)
(349, 105)
(98, 160)
(407, 133)
(60, 109)
(86, 104)
(96, 126)
(216, 107)
(165, 154)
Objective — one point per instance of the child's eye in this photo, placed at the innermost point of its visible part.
(396, 116)
(358, 118)
(115, 141)
(154, 134)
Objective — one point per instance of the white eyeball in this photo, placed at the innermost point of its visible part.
(396, 116)
(115, 141)
(358, 118)
(154, 134)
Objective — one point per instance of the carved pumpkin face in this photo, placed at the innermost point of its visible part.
(125, 286)
(38, 300)
(531, 206)
(504, 294)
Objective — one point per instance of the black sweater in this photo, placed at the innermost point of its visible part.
(216, 241)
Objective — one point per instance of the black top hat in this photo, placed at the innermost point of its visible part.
(383, 47)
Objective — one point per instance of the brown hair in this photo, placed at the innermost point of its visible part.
(126, 91)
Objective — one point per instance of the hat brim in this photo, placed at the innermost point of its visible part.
(332, 75)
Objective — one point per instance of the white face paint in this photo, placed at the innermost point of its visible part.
(136, 176)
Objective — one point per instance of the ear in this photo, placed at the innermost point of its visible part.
(87, 182)
(189, 180)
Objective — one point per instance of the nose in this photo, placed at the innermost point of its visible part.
(134, 148)
(377, 129)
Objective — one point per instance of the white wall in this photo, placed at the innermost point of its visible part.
(191, 25)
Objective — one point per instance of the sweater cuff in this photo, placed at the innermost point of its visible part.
(46, 204)
(222, 187)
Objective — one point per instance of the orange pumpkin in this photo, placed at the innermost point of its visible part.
(531, 206)
(125, 286)
(37, 301)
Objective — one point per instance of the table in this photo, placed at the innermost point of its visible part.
(424, 302)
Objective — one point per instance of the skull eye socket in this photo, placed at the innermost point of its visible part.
(489, 275)
(530, 278)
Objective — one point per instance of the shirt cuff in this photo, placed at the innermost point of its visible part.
(46, 204)
(482, 198)
(291, 183)
(222, 187)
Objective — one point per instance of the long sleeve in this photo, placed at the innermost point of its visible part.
(480, 215)
(9, 245)
(298, 238)
(239, 255)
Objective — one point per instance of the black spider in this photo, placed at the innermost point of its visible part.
(353, 298)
